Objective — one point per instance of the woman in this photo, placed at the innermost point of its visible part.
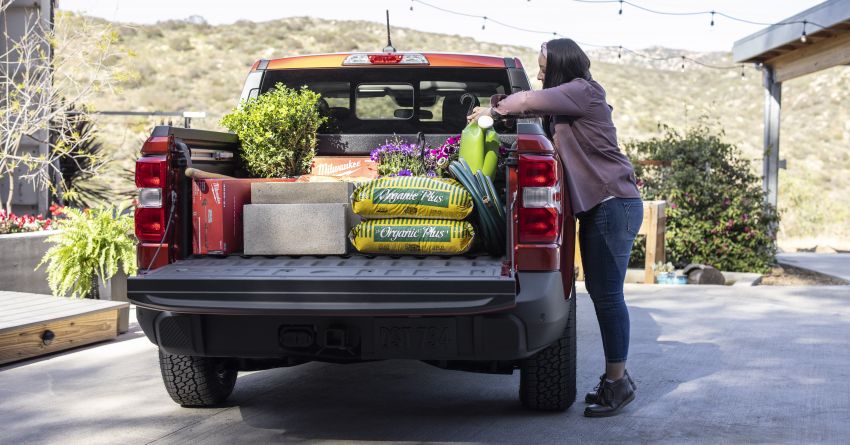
(604, 197)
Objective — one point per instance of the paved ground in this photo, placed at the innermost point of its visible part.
(833, 264)
(713, 365)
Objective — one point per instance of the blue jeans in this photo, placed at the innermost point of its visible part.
(606, 235)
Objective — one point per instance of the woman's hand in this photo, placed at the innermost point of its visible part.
(477, 112)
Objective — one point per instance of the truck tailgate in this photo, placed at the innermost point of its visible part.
(327, 285)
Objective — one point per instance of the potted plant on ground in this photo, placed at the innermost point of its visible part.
(91, 247)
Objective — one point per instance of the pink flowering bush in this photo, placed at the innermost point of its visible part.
(716, 212)
(437, 160)
(11, 223)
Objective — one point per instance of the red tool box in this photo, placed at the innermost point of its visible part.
(217, 214)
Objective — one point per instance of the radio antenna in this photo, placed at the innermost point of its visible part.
(389, 48)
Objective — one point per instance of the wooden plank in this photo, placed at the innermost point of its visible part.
(23, 309)
(59, 314)
(27, 308)
(10, 310)
(811, 58)
(26, 342)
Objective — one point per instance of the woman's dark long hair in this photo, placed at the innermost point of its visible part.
(565, 62)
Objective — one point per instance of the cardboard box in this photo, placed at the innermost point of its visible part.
(361, 167)
(301, 192)
(297, 229)
(217, 214)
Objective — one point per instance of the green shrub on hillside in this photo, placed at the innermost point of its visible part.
(277, 131)
(715, 204)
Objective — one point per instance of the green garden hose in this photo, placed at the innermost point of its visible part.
(489, 212)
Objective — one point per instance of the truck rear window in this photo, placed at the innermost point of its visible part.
(395, 100)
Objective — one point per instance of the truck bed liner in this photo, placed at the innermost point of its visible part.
(301, 285)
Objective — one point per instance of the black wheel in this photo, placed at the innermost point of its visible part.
(197, 381)
(548, 379)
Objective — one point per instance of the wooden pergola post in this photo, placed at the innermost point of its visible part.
(811, 41)
(772, 108)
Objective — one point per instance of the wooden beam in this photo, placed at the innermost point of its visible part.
(811, 58)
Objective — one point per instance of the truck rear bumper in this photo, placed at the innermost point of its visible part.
(535, 318)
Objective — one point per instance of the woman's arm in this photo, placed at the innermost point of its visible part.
(569, 99)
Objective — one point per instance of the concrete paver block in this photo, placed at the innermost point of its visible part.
(297, 229)
(301, 192)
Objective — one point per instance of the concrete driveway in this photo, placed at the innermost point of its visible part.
(712, 364)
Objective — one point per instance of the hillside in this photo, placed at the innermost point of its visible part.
(177, 65)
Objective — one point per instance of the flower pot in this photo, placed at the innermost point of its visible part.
(21, 253)
(115, 289)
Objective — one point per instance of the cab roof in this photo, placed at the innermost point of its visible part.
(434, 59)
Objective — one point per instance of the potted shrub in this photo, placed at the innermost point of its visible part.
(277, 131)
(91, 247)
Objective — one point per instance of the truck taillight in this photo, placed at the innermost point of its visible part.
(150, 224)
(539, 212)
(151, 171)
(156, 145)
(151, 178)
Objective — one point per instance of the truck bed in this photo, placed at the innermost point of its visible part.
(348, 285)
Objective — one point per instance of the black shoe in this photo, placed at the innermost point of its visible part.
(593, 396)
(613, 396)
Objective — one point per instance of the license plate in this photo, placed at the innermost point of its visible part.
(415, 338)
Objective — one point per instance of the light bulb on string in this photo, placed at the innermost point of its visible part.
(803, 38)
(621, 7)
(484, 23)
(620, 52)
(712, 18)
(683, 64)
(411, 5)
(742, 72)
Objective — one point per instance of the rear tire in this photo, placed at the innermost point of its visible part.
(548, 379)
(197, 381)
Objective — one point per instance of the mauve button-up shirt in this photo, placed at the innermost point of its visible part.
(585, 139)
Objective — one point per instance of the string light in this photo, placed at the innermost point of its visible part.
(742, 72)
(720, 13)
(712, 18)
(620, 48)
(411, 5)
(803, 36)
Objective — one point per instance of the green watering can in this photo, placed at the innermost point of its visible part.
(479, 146)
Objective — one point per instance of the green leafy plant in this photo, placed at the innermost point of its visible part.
(92, 244)
(277, 131)
(716, 212)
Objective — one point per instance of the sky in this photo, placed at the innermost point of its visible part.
(589, 23)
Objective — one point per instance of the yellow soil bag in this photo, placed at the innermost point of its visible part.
(413, 236)
(412, 197)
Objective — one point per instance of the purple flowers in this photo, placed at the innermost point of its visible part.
(398, 158)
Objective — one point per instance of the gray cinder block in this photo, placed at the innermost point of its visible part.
(297, 229)
(301, 192)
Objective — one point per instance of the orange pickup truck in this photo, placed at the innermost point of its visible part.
(213, 316)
